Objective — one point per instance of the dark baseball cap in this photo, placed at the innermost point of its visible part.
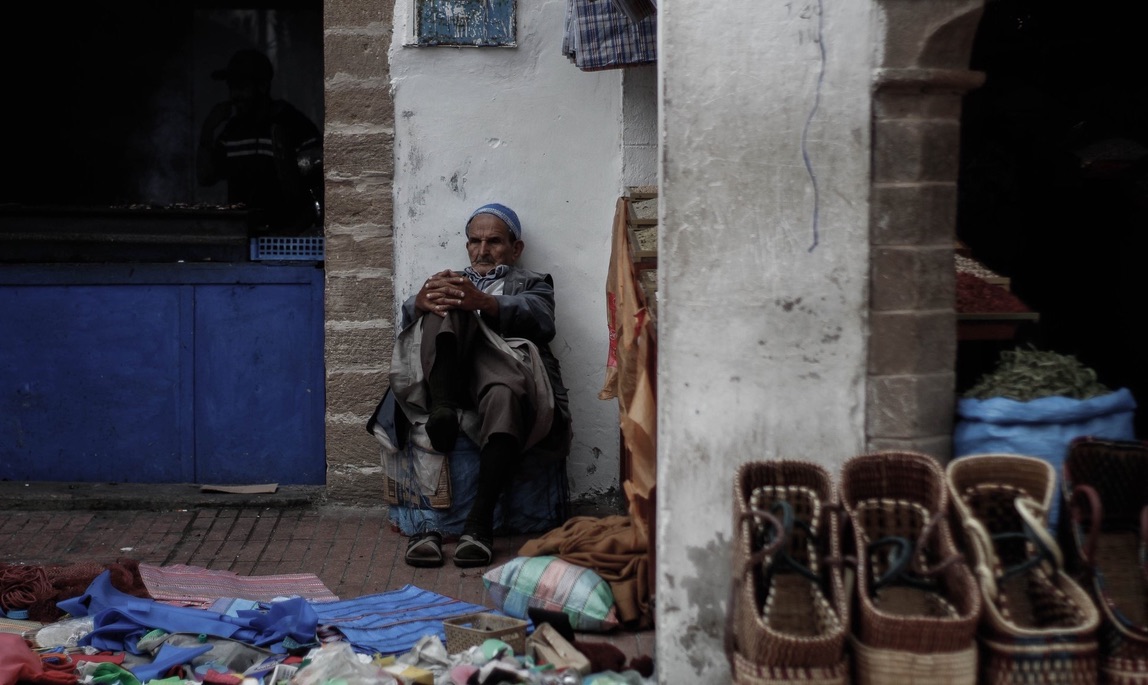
(246, 66)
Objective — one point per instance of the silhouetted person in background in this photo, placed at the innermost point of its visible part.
(269, 153)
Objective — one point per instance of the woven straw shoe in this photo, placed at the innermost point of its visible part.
(1105, 532)
(1039, 625)
(917, 602)
(787, 614)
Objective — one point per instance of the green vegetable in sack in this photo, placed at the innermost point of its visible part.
(1026, 374)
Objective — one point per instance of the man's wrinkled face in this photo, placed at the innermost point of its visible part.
(490, 243)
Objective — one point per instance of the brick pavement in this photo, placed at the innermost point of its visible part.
(353, 550)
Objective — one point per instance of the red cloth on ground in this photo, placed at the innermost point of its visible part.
(71, 580)
(214, 677)
(19, 664)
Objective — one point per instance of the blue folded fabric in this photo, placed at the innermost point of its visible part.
(392, 622)
(119, 620)
(168, 656)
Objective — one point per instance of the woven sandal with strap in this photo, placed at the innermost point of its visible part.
(1105, 486)
(424, 550)
(1038, 621)
(787, 621)
(917, 600)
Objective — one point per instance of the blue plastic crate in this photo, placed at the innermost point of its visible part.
(276, 248)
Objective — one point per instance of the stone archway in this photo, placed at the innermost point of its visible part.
(919, 83)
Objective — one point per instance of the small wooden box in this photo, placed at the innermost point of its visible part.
(641, 225)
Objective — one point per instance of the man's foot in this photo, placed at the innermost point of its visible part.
(442, 429)
(424, 550)
(473, 550)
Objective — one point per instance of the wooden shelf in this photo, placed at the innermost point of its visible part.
(642, 224)
(992, 325)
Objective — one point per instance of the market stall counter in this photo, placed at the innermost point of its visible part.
(146, 346)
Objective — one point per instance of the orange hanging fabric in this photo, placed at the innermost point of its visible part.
(630, 377)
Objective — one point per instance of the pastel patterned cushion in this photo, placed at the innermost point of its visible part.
(555, 585)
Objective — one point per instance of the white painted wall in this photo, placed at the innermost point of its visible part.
(521, 126)
(640, 126)
(762, 308)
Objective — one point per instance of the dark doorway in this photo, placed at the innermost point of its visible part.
(106, 101)
(1054, 179)
(147, 340)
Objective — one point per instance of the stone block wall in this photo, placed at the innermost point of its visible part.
(921, 78)
(922, 75)
(359, 168)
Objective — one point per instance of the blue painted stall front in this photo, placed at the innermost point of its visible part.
(162, 373)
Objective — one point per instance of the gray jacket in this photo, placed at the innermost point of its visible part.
(525, 310)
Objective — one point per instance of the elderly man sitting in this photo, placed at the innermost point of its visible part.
(473, 356)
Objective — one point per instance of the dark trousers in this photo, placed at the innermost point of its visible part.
(476, 375)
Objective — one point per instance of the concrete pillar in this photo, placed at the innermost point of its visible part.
(764, 267)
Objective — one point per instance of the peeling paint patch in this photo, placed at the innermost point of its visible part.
(415, 160)
(787, 305)
(702, 640)
(417, 201)
(466, 22)
(457, 181)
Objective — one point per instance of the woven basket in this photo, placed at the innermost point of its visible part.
(746, 672)
(785, 626)
(892, 667)
(471, 630)
(1104, 530)
(1038, 622)
(933, 609)
(441, 499)
(1122, 661)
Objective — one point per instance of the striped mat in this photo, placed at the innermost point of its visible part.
(195, 586)
(18, 627)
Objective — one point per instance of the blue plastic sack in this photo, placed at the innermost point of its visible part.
(1043, 427)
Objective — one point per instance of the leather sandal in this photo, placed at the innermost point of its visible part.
(424, 550)
(472, 551)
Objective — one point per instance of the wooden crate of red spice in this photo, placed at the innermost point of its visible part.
(986, 311)
(975, 295)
